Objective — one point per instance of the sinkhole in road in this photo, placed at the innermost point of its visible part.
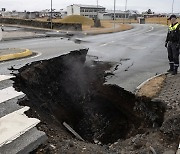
(73, 90)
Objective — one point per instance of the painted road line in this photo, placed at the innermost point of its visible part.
(8, 93)
(14, 125)
(26, 143)
(5, 77)
(103, 44)
(152, 28)
(178, 151)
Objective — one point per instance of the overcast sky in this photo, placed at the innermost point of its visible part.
(141, 5)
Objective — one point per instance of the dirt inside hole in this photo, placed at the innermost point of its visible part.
(70, 89)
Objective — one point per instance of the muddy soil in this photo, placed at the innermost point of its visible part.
(108, 118)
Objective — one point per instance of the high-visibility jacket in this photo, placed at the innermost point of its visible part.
(173, 33)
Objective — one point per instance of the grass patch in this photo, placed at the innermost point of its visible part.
(87, 24)
(107, 26)
(159, 20)
(77, 19)
(71, 19)
(152, 87)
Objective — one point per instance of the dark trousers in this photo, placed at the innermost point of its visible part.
(173, 54)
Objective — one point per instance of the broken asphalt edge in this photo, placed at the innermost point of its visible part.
(145, 82)
(17, 55)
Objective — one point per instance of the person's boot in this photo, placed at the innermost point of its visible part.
(171, 68)
(175, 71)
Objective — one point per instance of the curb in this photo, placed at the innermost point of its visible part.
(17, 55)
(23, 37)
(146, 81)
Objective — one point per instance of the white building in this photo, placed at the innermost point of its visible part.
(63, 13)
(109, 14)
(133, 14)
(90, 11)
(28, 15)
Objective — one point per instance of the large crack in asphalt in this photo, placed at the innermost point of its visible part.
(71, 90)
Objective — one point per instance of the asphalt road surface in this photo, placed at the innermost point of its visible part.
(137, 54)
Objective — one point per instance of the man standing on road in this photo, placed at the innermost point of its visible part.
(173, 44)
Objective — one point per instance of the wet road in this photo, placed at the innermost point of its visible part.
(138, 53)
(44, 47)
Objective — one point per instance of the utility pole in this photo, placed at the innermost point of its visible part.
(97, 22)
(172, 6)
(114, 12)
(97, 9)
(0, 33)
(51, 15)
(125, 9)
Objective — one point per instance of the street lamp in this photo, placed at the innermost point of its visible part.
(97, 9)
(172, 6)
(51, 14)
(125, 12)
(125, 8)
(114, 13)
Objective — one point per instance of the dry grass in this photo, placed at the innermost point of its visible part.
(42, 19)
(71, 19)
(152, 87)
(126, 21)
(87, 24)
(107, 27)
(159, 20)
(153, 20)
(77, 19)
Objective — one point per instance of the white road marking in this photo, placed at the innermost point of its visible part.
(39, 54)
(106, 43)
(103, 44)
(14, 125)
(8, 93)
(5, 77)
(152, 28)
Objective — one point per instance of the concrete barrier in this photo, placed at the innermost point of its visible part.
(41, 24)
